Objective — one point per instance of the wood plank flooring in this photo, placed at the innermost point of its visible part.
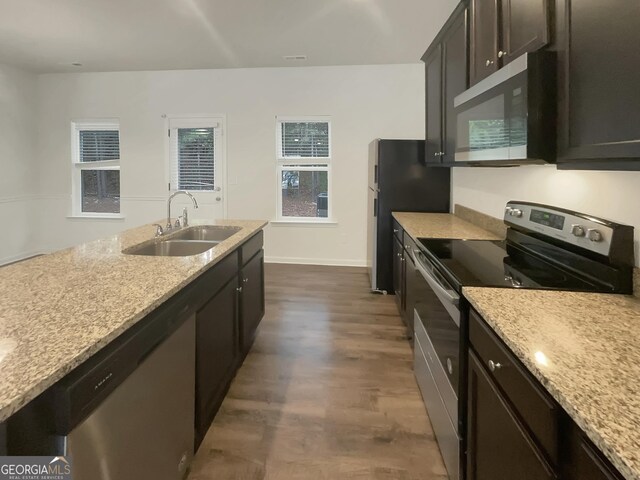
(327, 392)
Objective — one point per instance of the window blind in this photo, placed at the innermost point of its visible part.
(193, 158)
(305, 139)
(99, 145)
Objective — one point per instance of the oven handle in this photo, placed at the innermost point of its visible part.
(437, 284)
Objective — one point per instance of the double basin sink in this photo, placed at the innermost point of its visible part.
(186, 242)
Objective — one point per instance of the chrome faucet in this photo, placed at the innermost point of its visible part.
(183, 192)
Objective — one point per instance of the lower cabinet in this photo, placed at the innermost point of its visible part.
(498, 446)
(398, 275)
(514, 429)
(231, 306)
(216, 353)
(251, 299)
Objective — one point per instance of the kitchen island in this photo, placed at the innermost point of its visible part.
(59, 310)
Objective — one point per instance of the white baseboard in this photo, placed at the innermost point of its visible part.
(20, 256)
(317, 261)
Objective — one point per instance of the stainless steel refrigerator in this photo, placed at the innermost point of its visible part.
(399, 181)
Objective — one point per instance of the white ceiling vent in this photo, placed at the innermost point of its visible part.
(295, 57)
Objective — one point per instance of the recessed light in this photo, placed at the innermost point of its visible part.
(76, 64)
(70, 64)
(294, 57)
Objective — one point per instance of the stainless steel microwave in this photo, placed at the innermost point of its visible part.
(509, 118)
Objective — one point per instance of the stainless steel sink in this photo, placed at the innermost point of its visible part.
(173, 248)
(209, 233)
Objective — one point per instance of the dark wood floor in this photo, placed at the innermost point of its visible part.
(327, 392)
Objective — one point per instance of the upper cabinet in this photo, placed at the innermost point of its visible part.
(484, 39)
(503, 30)
(446, 63)
(599, 74)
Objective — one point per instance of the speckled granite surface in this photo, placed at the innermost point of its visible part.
(585, 349)
(58, 309)
(482, 220)
(441, 225)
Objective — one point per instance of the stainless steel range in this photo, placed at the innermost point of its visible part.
(546, 248)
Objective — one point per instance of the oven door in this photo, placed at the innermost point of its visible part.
(436, 357)
(439, 316)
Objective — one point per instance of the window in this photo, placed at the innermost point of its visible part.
(96, 168)
(195, 154)
(304, 169)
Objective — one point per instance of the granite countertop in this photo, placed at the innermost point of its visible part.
(585, 349)
(58, 309)
(441, 225)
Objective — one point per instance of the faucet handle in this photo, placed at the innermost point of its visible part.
(177, 224)
(159, 230)
(185, 217)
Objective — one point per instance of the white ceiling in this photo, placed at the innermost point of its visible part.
(113, 35)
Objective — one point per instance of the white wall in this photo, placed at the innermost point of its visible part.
(611, 195)
(18, 176)
(365, 102)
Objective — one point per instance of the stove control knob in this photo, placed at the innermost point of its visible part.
(594, 235)
(577, 230)
(515, 212)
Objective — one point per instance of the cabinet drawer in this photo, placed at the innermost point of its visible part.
(535, 407)
(398, 231)
(251, 247)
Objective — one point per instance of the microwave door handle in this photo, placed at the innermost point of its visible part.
(436, 284)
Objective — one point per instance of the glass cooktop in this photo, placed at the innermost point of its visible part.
(486, 263)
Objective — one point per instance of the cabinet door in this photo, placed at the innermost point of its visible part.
(498, 447)
(252, 303)
(433, 77)
(398, 274)
(410, 287)
(599, 101)
(454, 52)
(525, 27)
(216, 353)
(484, 39)
(584, 462)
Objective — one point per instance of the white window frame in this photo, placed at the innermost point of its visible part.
(303, 164)
(77, 166)
(216, 121)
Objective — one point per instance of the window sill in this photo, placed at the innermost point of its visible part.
(97, 216)
(305, 223)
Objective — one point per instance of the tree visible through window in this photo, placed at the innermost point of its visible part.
(304, 156)
(96, 167)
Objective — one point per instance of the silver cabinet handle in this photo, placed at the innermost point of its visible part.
(245, 280)
(395, 230)
(239, 289)
(502, 53)
(493, 366)
(489, 63)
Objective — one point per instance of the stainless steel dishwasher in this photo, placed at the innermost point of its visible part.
(128, 412)
(144, 429)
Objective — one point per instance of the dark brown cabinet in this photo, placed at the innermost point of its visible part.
(503, 30)
(584, 462)
(398, 274)
(483, 39)
(446, 66)
(231, 305)
(498, 446)
(525, 27)
(216, 353)
(599, 77)
(252, 299)
(433, 78)
(514, 428)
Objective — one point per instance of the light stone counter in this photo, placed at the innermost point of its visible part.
(57, 310)
(441, 225)
(585, 349)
